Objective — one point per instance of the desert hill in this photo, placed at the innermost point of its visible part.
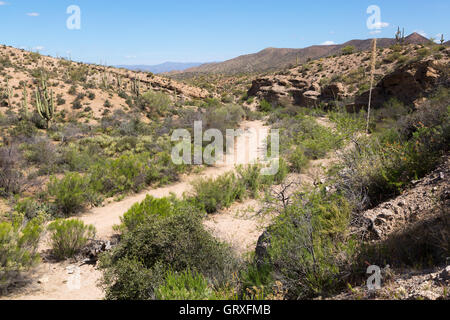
(81, 90)
(271, 59)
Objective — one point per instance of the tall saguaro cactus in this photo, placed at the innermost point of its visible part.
(44, 102)
(136, 87)
(119, 81)
(8, 92)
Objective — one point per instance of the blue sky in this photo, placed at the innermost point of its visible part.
(152, 32)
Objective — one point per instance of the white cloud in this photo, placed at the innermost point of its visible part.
(3, 3)
(130, 57)
(328, 43)
(375, 32)
(33, 14)
(332, 32)
(39, 48)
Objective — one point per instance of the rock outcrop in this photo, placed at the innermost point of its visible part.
(406, 84)
(416, 204)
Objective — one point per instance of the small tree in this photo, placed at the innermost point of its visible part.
(348, 50)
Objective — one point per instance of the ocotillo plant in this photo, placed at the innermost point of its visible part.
(372, 73)
(44, 102)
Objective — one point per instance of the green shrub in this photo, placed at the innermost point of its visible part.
(298, 160)
(251, 178)
(214, 194)
(348, 50)
(68, 237)
(137, 267)
(380, 166)
(30, 208)
(18, 248)
(150, 206)
(265, 106)
(186, 285)
(70, 192)
(154, 102)
(310, 247)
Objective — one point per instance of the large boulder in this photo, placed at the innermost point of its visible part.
(278, 88)
(261, 252)
(307, 98)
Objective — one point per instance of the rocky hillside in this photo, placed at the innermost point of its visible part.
(272, 59)
(405, 72)
(80, 89)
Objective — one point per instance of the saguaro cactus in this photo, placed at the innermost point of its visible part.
(105, 80)
(398, 35)
(8, 93)
(136, 87)
(44, 103)
(442, 39)
(119, 81)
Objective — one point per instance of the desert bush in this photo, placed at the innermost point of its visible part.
(265, 106)
(186, 285)
(223, 118)
(69, 193)
(310, 247)
(11, 176)
(41, 152)
(251, 178)
(297, 159)
(150, 206)
(137, 267)
(68, 237)
(348, 50)
(154, 102)
(18, 248)
(25, 128)
(380, 166)
(31, 208)
(303, 132)
(214, 194)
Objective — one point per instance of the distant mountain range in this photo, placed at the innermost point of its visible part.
(163, 67)
(272, 59)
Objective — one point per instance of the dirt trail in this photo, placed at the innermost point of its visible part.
(105, 218)
(242, 224)
(51, 281)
